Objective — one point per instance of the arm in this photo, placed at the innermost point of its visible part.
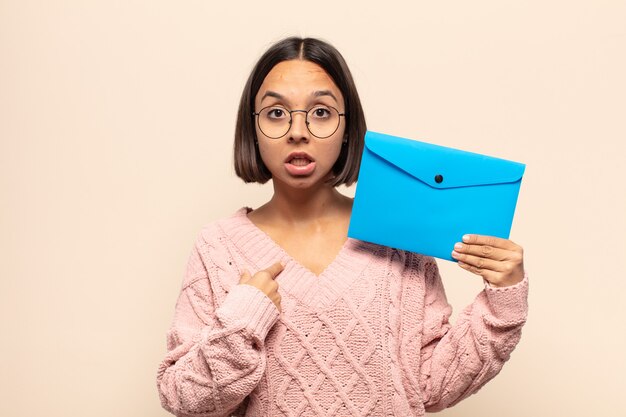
(216, 354)
(458, 360)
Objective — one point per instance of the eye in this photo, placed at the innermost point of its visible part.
(320, 112)
(276, 113)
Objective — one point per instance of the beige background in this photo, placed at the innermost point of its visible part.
(116, 122)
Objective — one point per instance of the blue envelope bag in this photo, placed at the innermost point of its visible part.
(423, 198)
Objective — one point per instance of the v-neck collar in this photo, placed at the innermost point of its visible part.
(296, 279)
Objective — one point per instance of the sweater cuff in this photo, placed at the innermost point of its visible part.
(509, 304)
(247, 304)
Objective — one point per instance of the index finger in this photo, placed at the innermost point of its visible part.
(275, 269)
(493, 241)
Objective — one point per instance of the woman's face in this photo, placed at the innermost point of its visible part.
(298, 159)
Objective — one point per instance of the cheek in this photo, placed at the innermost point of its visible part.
(264, 156)
(269, 155)
(257, 132)
(331, 153)
(338, 142)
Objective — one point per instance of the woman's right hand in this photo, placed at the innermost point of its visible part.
(265, 280)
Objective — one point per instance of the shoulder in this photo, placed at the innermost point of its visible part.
(418, 265)
(211, 256)
(210, 247)
(217, 231)
(400, 261)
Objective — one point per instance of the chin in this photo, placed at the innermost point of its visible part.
(301, 183)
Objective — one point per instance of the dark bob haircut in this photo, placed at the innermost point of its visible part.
(248, 163)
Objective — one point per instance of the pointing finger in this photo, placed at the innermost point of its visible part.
(275, 269)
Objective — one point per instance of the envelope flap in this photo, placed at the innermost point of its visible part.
(440, 166)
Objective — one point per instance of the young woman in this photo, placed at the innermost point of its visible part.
(280, 314)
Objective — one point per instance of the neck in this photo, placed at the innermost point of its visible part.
(298, 206)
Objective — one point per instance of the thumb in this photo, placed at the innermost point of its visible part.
(245, 277)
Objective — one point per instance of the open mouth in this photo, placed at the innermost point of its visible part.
(299, 159)
(299, 163)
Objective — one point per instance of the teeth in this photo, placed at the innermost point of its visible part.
(300, 161)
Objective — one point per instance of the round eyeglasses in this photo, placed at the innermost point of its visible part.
(275, 121)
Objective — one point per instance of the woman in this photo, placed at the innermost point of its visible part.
(281, 314)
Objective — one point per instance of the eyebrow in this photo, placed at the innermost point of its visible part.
(318, 93)
(271, 94)
(321, 93)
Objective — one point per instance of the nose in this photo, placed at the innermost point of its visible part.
(298, 130)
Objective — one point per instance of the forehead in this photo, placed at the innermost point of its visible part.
(297, 79)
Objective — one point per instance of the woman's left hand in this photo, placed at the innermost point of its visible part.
(499, 261)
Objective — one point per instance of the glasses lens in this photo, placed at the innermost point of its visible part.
(323, 121)
(274, 121)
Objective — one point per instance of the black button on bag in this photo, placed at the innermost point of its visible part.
(438, 178)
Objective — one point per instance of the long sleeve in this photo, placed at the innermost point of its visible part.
(458, 360)
(215, 353)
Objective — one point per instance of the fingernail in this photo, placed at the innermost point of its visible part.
(455, 254)
(466, 238)
(458, 246)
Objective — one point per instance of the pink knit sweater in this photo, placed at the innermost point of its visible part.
(368, 337)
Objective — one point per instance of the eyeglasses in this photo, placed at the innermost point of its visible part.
(275, 121)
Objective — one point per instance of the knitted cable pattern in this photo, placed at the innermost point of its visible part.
(370, 336)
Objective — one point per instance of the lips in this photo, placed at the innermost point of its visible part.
(299, 158)
(299, 164)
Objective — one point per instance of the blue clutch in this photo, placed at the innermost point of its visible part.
(423, 198)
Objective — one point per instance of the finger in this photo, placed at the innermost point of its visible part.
(478, 262)
(484, 251)
(490, 276)
(275, 269)
(245, 277)
(496, 242)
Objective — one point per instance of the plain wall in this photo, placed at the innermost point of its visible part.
(116, 127)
